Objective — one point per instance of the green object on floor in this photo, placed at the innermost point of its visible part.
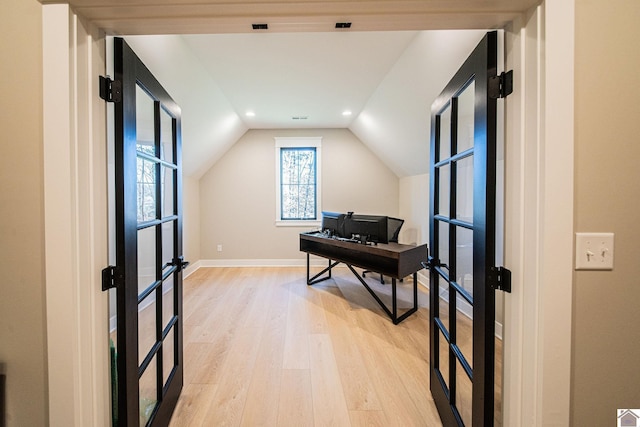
(114, 384)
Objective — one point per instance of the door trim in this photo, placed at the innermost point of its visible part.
(539, 205)
(75, 219)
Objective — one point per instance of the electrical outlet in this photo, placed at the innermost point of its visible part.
(219, 248)
(594, 251)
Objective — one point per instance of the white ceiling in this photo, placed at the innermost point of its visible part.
(388, 81)
(279, 76)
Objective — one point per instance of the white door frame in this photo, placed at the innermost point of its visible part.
(538, 204)
(75, 204)
(539, 217)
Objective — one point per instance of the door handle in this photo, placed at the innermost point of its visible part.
(180, 263)
(432, 263)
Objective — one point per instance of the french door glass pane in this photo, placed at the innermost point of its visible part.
(146, 326)
(466, 104)
(146, 197)
(464, 330)
(443, 361)
(148, 386)
(445, 134)
(168, 355)
(444, 297)
(166, 136)
(145, 133)
(464, 258)
(146, 258)
(167, 244)
(443, 244)
(464, 189)
(444, 188)
(168, 186)
(463, 394)
(167, 300)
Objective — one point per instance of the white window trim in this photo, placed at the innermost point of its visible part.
(295, 141)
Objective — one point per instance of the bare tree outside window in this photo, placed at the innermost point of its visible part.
(298, 183)
(146, 180)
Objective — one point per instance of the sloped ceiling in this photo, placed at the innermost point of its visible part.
(395, 122)
(387, 80)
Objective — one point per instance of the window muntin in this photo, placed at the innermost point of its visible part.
(298, 183)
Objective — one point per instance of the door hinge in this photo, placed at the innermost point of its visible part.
(500, 279)
(501, 86)
(108, 278)
(110, 90)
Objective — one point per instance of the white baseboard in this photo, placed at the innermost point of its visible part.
(423, 279)
(498, 330)
(113, 323)
(191, 268)
(298, 262)
(113, 320)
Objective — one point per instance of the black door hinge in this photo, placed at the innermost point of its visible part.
(501, 86)
(110, 90)
(500, 279)
(108, 278)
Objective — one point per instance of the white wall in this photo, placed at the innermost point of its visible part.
(238, 194)
(191, 220)
(414, 209)
(22, 288)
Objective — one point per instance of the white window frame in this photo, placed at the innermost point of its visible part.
(300, 142)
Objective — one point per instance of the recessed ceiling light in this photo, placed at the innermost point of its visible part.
(346, 113)
(250, 114)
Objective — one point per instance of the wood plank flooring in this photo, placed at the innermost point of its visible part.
(262, 348)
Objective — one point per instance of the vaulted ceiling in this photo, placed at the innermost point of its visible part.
(303, 72)
(387, 80)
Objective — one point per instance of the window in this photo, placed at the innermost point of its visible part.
(146, 181)
(298, 181)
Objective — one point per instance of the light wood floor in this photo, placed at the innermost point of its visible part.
(262, 348)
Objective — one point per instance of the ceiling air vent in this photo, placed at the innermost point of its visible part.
(343, 24)
(260, 26)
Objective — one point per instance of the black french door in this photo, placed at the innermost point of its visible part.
(149, 263)
(462, 238)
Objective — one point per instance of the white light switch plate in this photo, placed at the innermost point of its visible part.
(594, 251)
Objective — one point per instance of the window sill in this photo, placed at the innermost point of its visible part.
(301, 224)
